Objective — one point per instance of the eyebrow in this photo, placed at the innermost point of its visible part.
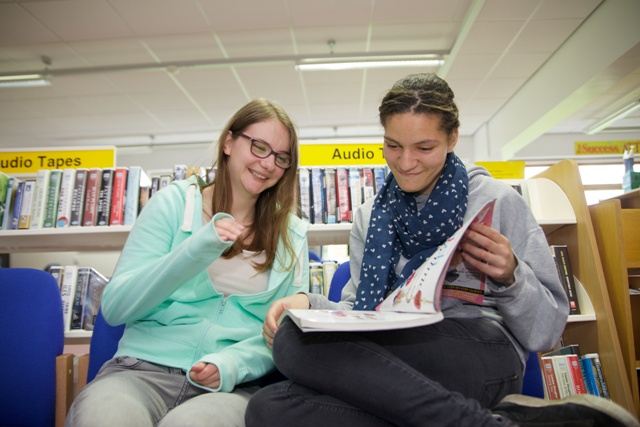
(424, 141)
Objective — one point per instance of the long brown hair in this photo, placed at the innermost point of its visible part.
(275, 204)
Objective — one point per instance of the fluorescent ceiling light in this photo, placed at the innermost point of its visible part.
(25, 80)
(621, 113)
(358, 63)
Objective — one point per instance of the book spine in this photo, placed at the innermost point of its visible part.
(355, 191)
(104, 197)
(40, 198)
(90, 213)
(179, 172)
(17, 205)
(27, 202)
(590, 376)
(328, 270)
(5, 187)
(132, 198)
(342, 195)
(53, 196)
(67, 185)
(118, 194)
(561, 255)
(378, 174)
(367, 182)
(552, 391)
(78, 299)
(155, 185)
(165, 180)
(95, 288)
(563, 375)
(331, 204)
(8, 205)
(77, 199)
(67, 293)
(317, 196)
(316, 280)
(594, 358)
(304, 193)
(579, 386)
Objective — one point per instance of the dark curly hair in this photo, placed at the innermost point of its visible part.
(424, 93)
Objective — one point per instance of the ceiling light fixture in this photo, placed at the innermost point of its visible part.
(25, 80)
(358, 63)
(611, 118)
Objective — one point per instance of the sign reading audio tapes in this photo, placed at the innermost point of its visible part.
(33, 160)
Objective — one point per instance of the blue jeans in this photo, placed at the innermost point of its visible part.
(446, 374)
(132, 392)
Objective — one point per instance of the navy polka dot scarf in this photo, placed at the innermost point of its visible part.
(396, 227)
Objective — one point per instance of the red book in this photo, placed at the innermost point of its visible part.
(90, 215)
(549, 376)
(116, 217)
(576, 374)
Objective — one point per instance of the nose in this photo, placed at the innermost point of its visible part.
(269, 162)
(406, 160)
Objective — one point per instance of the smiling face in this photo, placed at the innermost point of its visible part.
(416, 148)
(249, 174)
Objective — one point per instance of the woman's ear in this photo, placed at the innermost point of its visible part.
(227, 143)
(453, 140)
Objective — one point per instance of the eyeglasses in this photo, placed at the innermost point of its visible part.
(263, 150)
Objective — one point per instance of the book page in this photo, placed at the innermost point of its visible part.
(421, 291)
(357, 320)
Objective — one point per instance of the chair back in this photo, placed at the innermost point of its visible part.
(314, 257)
(104, 344)
(340, 278)
(31, 337)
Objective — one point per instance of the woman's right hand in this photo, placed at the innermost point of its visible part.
(228, 229)
(270, 325)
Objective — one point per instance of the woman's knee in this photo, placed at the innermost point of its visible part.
(115, 400)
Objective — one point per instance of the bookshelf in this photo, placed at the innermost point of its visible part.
(616, 223)
(598, 336)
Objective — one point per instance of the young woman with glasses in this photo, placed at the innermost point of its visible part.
(195, 280)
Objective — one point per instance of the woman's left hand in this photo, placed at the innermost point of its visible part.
(490, 252)
(205, 374)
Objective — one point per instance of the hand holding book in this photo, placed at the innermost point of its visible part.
(416, 302)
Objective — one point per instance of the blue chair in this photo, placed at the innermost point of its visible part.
(532, 385)
(314, 257)
(340, 278)
(32, 342)
(104, 344)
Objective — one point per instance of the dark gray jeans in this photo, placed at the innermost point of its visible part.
(446, 374)
(132, 392)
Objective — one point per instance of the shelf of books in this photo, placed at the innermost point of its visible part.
(598, 336)
(616, 223)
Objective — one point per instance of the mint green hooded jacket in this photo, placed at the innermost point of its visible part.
(173, 314)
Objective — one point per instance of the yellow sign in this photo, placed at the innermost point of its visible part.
(30, 161)
(504, 170)
(599, 148)
(341, 154)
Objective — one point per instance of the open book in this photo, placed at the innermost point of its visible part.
(414, 303)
